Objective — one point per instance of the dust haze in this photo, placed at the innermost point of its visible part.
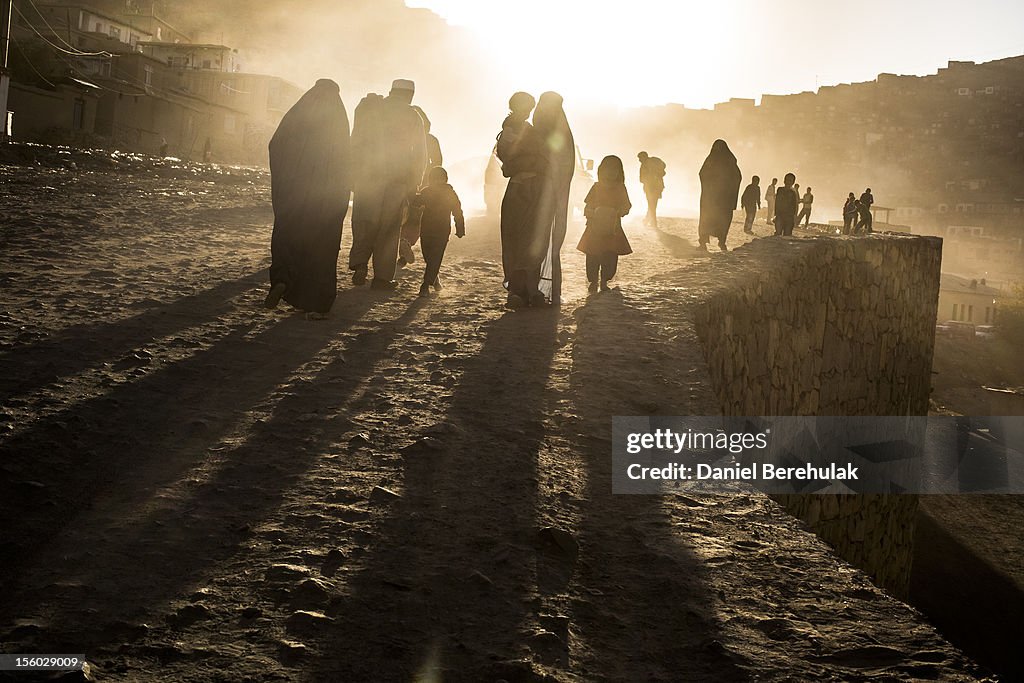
(826, 138)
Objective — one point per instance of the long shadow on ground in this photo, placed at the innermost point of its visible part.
(448, 590)
(117, 450)
(653, 619)
(30, 366)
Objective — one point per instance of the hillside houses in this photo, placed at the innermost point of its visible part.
(130, 79)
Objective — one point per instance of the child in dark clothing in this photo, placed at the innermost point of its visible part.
(439, 203)
(603, 240)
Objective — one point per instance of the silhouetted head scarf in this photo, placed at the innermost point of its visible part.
(611, 171)
(719, 157)
(720, 180)
(553, 130)
(309, 150)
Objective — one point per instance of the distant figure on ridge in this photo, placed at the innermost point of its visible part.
(785, 206)
(310, 178)
(796, 209)
(389, 156)
(865, 220)
(720, 180)
(751, 203)
(805, 212)
(559, 148)
(438, 204)
(849, 213)
(769, 198)
(411, 225)
(652, 177)
(523, 163)
(603, 240)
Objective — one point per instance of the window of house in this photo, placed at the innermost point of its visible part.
(148, 71)
(229, 124)
(987, 309)
(115, 32)
(954, 312)
(207, 64)
(970, 314)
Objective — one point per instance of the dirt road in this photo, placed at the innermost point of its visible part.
(196, 489)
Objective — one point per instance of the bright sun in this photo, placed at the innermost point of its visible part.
(603, 52)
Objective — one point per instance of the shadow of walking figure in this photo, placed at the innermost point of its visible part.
(455, 566)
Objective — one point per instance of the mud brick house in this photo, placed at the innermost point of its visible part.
(122, 76)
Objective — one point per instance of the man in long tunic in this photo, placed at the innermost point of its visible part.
(652, 177)
(390, 153)
(751, 203)
(310, 184)
(411, 225)
(769, 198)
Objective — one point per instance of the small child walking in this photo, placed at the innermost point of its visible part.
(603, 240)
(439, 203)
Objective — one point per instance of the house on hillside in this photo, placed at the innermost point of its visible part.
(967, 300)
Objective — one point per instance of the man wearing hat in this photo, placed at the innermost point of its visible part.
(389, 145)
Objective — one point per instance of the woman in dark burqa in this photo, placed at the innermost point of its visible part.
(310, 181)
(552, 129)
(720, 180)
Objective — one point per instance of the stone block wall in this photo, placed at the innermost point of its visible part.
(831, 326)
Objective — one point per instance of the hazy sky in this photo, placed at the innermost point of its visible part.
(636, 52)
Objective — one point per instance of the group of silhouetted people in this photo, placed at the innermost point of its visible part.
(389, 163)
(857, 213)
(720, 180)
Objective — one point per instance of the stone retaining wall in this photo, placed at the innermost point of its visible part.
(831, 326)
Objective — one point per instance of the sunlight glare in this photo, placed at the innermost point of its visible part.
(600, 52)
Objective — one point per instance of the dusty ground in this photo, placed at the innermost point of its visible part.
(195, 489)
(963, 368)
(969, 551)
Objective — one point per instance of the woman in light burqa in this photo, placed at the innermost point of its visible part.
(310, 181)
(552, 128)
(720, 180)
